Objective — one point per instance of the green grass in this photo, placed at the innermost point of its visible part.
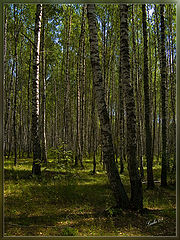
(72, 201)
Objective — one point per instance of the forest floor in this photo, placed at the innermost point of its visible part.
(73, 202)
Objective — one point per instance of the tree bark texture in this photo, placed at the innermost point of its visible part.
(136, 185)
(36, 169)
(43, 105)
(108, 150)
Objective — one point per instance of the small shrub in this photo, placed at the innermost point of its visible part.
(61, 154)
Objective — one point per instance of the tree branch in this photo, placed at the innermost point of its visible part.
(28, 39)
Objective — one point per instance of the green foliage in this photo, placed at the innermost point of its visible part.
(68, 231)
(62, 155)
(112, 212)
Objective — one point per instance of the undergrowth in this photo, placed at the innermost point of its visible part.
(69, 201)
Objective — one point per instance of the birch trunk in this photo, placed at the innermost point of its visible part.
(136, 185)
(108, 150)
(43, 105)
(36, 169)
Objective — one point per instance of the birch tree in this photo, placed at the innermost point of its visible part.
(107, 144)
(136, 185)
(36, 169)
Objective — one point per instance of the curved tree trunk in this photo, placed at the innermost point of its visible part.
(108, 150)
(136, 185)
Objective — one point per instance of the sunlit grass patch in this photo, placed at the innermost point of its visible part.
(65, 199)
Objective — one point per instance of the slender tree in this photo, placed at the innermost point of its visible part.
(172, 86)
(93, 132)
(149, 156)
(16, 35)
(43, 91)
(36, 169)
(67, 79)
(163, 100)
(28, 98)
(7, 87)
(80, 93)
(155, 100)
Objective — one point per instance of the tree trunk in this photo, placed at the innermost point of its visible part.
(173, 89)
(28, 117)
(93, 132)
(121, 121)
(149, 156)
(4, 83)
(80, 94)
(163, 100)
(36, 169)
(136, 185)
(108, 150)
(21, 135)
(155, 103)
(43, 91)
(139, 108)
(67, 83)
(82, 82)
(16, 33)
(137, 91)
